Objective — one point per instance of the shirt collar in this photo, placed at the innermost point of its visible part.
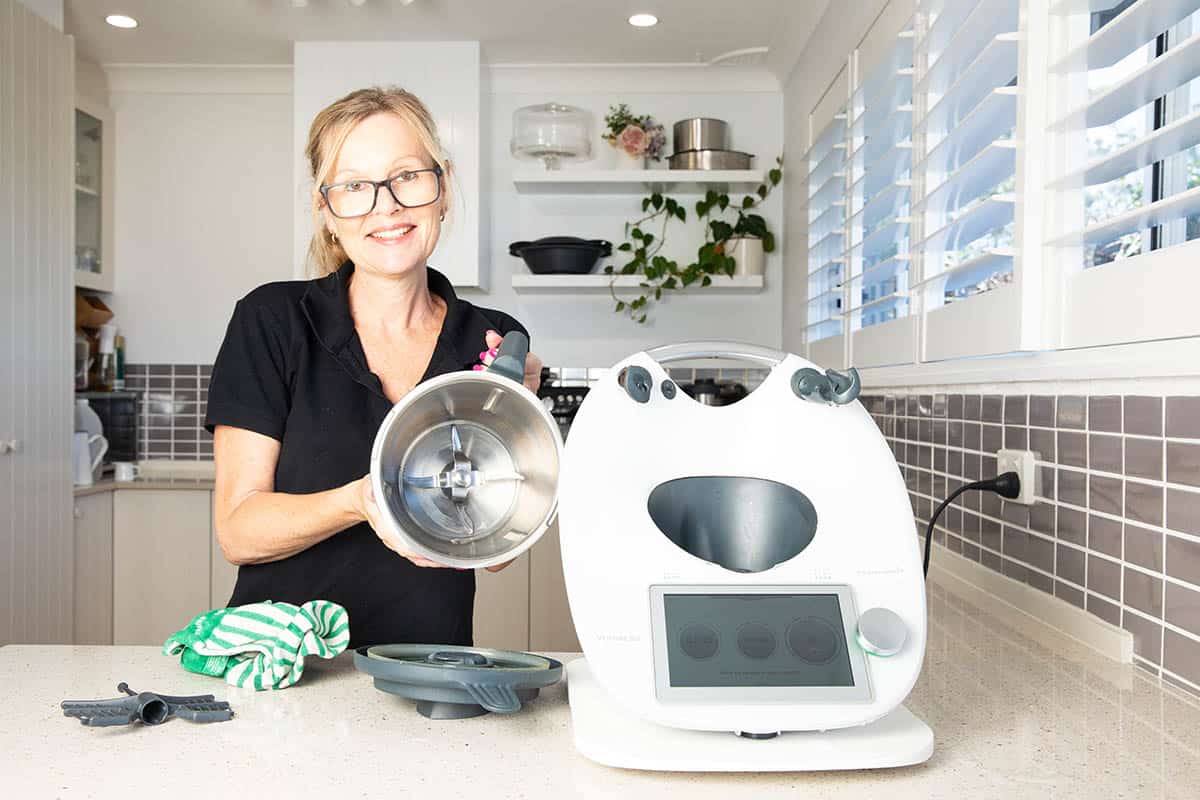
(326, 304)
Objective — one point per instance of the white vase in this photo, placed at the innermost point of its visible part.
(626, 161)
(748, 253)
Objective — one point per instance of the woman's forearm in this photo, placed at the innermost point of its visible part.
(269, 526)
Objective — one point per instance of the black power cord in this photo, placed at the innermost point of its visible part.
(1006, 485)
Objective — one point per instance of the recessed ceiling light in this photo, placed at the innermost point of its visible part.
(643, 20)
(121, 21)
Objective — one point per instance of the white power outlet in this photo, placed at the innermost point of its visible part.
(1022, 463)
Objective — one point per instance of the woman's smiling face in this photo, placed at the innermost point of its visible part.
(391, 239)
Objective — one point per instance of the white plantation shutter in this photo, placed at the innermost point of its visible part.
(879, 201)
(826, 163)
(1126, 129)
(965, 151)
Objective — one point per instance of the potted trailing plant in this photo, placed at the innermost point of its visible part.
(634, 138)
(717, 257)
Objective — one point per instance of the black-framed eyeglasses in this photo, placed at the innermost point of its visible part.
(411, 188)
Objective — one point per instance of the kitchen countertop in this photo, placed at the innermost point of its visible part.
(108, 485)
(159, 474)
(1018, 711)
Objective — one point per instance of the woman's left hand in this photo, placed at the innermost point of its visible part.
(533, 364)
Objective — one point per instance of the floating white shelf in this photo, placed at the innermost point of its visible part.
(616, 181)
(599, 282)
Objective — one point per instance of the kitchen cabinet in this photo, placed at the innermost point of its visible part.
(223, 575)
(93, 195)
(550, 624)
(93, 622)
(502, 606)
(161, 562)
(36, 92)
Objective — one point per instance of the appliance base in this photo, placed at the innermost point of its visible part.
(607, 734)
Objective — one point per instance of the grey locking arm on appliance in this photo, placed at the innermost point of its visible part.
(146, 707)
(833, 387)
(510, 361)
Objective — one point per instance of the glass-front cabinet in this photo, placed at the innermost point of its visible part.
(93, 196)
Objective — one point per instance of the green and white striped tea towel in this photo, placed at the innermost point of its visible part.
(261, 645)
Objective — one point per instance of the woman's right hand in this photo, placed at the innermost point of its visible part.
(368, 509)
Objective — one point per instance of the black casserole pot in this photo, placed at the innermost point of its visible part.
(568, 255)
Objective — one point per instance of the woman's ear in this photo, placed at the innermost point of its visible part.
(447, 201)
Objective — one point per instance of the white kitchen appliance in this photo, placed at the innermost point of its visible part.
(749, 568)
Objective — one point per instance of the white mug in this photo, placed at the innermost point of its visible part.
(125, 470)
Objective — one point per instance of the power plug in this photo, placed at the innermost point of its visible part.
(1023, 463)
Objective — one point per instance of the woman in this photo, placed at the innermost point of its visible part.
(309, 369)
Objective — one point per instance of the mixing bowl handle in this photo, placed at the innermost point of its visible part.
(510, 361)
(738, 351)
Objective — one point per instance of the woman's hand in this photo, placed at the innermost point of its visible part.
(368, 509)
(533, 364)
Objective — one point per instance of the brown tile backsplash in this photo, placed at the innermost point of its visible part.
(1104, 414)
(1144, 416)
(1183, 417)
(1116, 529)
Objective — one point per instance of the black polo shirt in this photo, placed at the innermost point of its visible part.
(292, 368)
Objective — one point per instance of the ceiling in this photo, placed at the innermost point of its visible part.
(510, 31)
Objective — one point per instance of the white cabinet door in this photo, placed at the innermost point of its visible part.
(161, 562)
(224, 574)
(445, 76)
(94, 569)
(37, 85)
(550, 625)
(502, 607)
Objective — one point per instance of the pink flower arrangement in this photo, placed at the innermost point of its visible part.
(636, 135)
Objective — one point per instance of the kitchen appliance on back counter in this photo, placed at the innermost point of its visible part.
(561, 401)
(711, 392)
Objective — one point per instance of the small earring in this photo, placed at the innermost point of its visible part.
(443, 217)
(332, 236)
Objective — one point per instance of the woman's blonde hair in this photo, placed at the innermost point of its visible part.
(325, 138)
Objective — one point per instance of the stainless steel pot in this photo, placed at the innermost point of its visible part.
(710, 159)
(465, 467)
(701, 133)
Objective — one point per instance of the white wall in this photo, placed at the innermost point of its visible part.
(579, 328)
(203, 204)
(49, 10)
(225, 140)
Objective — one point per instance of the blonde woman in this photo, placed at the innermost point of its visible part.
(309, 369)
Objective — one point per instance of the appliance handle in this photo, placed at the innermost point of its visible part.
(738, 351)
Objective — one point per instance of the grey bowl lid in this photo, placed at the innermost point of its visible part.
(496, 680)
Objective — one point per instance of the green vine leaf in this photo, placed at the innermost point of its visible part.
(659, 273)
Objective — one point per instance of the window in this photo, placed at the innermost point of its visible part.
(826, 228)
(880, 166)
(1126, 103)
(966, 140)
(1016, 177)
